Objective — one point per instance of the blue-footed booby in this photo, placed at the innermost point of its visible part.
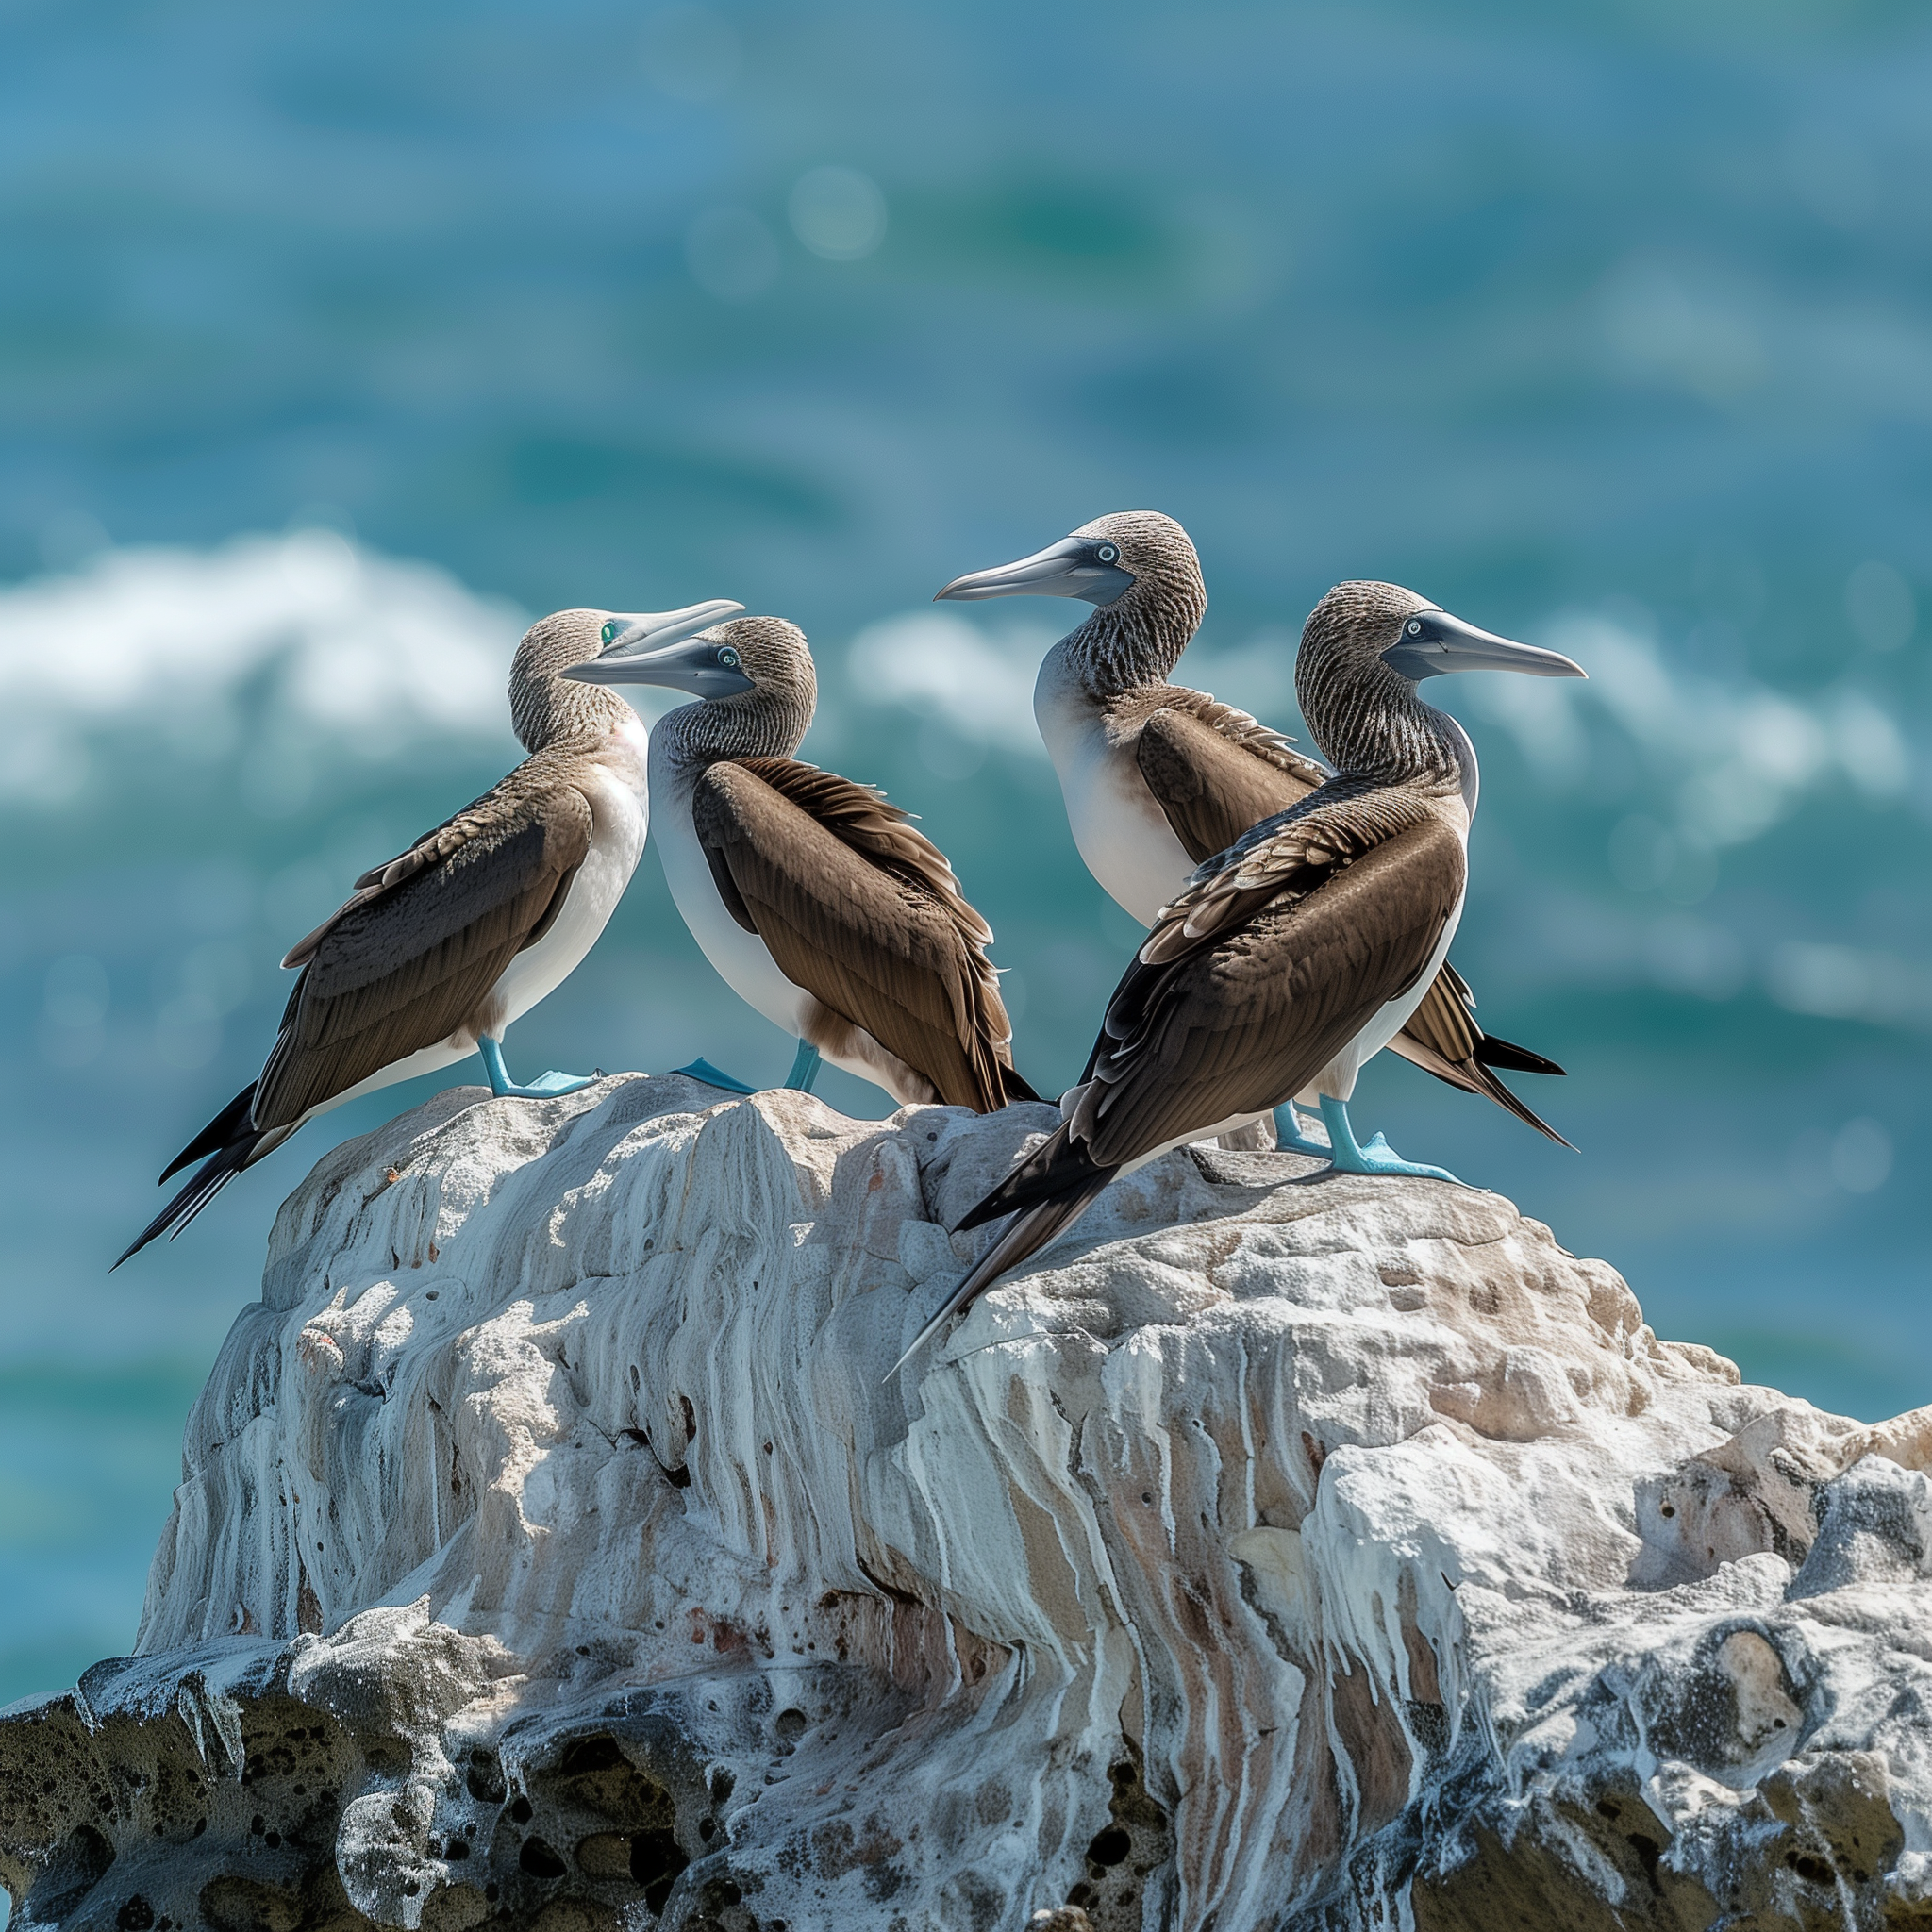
(437, 951)
(815, 899)
(1157, 778)
(1292, 956)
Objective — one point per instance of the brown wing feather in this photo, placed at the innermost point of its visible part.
(1212, 779)
(410, 960)
(864, 913)
(1292, 853)
(1239, 1023)
(1443, 1025)
(1214, 771)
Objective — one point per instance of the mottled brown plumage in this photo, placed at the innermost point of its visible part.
(1216, 773)
(411, 962)
(1281, 948)
(855, 907)
(864, 913)
(413, 958)
(1264, 973)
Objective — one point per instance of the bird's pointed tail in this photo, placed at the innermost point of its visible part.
(207, 1182)
(1476, 1074)
(230, 1125)
(1486, 1082)
(1023, 1236)
(1492, 1051)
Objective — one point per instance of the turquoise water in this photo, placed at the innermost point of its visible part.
(1611, 329)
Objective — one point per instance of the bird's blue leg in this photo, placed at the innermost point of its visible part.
(545, 1086)
(701, 1069)
(805, 1067)
(1290, 1136)
(1376, 1158)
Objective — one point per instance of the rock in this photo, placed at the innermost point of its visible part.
(1279, 1551)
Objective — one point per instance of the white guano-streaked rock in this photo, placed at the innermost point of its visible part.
(1279, 1550)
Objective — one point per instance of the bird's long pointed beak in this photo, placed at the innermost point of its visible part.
(1066, 569)
(1433, 643)
(703, 666)
(647, 651)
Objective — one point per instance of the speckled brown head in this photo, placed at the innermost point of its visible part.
(544, 707)
(1139, 568)
(1365, 648)
(551, 699)
(774, 655)
(753, 675)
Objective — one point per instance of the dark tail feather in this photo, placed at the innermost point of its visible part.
(1057, 1165)
(1491, 1052)
(227, 1127)
(1474, 1076)
(1027, 1233)
(221, 1168)
(1486, 1082)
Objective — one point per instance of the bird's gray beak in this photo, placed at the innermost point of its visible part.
(1073, 568)
(1433, 643)
(658, 648)
(704, 666)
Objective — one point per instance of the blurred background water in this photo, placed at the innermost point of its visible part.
(337, 342)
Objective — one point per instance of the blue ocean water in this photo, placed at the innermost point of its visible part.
(335, 341)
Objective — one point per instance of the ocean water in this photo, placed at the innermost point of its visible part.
(337, 343)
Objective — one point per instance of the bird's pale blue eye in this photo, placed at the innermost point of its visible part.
(1415, 630)
(1107, 553)
(729, 657)
(608, 631)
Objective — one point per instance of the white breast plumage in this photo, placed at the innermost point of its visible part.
(742, 959)
(619, 821)
(1122, 835)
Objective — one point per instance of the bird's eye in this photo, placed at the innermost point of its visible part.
(729, 657)
(1415, 630)
(1107, 554)
(609, 631)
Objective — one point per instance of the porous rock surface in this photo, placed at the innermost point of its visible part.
(1279, 1550)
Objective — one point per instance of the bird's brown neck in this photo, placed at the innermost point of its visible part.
(553, 713)
(755, 725)
(1369, 721)
(1139, 639)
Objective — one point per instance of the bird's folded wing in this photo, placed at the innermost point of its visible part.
(1292, 853)
(1239, 1023)
(863, 912)
(1214, 771)
(408, 960)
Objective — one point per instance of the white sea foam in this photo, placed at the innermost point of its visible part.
(374, 650)
(1727, 759)
(980, 682)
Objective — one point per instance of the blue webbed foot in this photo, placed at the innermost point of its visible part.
(548, 1086)
(1350, 1156)
(545, 1086)
(805, 1067)
(701, 1069)
(1290, 1137)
